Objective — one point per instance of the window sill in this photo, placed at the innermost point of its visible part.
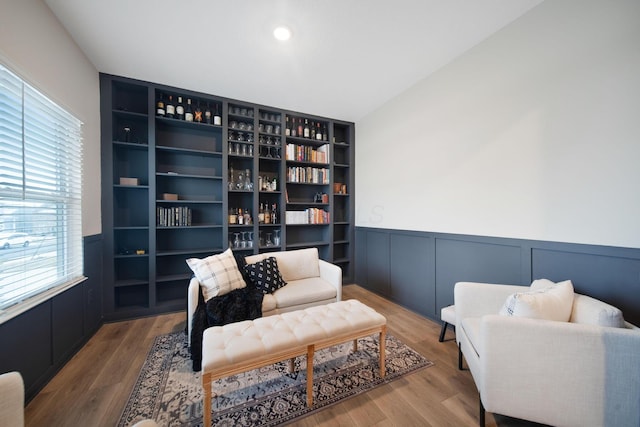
(26, 305)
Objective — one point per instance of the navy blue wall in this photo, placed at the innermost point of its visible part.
(419, 269)
(39, 342)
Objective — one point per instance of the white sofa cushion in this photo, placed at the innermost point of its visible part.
(293, 265)
(304, 291)
(217, 274)
(549, 303)
(591, 311)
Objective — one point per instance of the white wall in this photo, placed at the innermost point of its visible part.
(534, 133)
(35, 45)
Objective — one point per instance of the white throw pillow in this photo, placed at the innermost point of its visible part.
(545, 302)
(217, 274)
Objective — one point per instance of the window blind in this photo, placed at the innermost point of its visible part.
(40, 194)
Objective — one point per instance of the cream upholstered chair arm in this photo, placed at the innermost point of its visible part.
(11, 399)
(580, 374)
(473, 299)
(193, 293)
(333, 275)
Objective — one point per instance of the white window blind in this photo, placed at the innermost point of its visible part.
(40, 195)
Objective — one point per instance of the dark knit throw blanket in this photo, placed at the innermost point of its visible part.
(237, 305)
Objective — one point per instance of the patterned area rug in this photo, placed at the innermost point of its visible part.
(168, 391)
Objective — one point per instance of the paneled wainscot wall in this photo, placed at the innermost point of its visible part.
(38, 342)
(419, 269)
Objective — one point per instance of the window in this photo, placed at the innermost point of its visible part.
(40, 197)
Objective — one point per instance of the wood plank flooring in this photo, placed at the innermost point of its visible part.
(93, 387)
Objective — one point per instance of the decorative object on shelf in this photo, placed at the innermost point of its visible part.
(129, 181)
(169, 196)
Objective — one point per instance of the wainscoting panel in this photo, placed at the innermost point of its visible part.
(419, 269)
(67, 323)
(378, 262)
(410, 278)
(473, 261)
(26, 346)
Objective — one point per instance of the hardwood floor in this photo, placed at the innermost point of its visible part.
(93, 387)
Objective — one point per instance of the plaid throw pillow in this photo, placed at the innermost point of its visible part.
(217, 274)
(265, 275)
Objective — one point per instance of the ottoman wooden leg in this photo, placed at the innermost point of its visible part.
(310, 351)
(383, 334)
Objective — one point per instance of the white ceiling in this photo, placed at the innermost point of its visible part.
(346, 57)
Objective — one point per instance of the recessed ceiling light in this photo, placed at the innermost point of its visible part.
(282, 33)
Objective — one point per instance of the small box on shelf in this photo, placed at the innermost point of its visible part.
(169, 196)
(129, 181)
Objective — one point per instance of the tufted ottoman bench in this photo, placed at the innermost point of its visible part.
(243, 346)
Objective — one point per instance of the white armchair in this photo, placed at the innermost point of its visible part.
(11, 399)
(575, 373)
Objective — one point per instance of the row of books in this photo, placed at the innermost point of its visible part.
(306, 153)
(308, 175)
(177, 216)
(307, 216)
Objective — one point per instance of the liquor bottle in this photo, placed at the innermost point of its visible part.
(247, 217)
(197, 114)
(180, 109)
(240, 217)
(313, 130)
(233, 218)
(217, 119)
(287, 129)
(318, 132)
(207, 115)
(188, 112)
(306, 128)
(300, 128)
(294, 130)
(160, 110)
(267, 215)
(261, 214)
(170, 108)
(274, 214)
(325, 134)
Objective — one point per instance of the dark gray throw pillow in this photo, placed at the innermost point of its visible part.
(265, 275)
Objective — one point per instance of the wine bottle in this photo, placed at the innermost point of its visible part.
(170, 108)
(217, 119)
(267, 215)
(287, 129)
(188, 112)
(261, 214)
(313, 130)
(180, 109)
(274, 214)
(197, 114)
(300, 128)
(294, 130)
(325, 134)
(318, 132)
(306, 129)
(160, 110)
(207, 115)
